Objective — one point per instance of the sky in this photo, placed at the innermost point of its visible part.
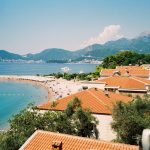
(30, 26)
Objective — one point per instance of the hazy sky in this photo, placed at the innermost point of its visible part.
(29, 26)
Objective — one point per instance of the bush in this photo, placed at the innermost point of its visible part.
(130, 119)
(74, 120)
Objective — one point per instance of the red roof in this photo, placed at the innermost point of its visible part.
(130, 83)
(43, 140)
(123, 71)
(94, 99)
(129, 67)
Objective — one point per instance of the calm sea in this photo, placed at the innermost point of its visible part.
(15, 96)
(33, 69)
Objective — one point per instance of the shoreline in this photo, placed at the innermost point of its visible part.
(32, 80)
(56, 88)
(38, 82)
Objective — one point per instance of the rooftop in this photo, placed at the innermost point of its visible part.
(98, 101)
(136, 71)
(44, 140)
(130, 83)
(129, 67)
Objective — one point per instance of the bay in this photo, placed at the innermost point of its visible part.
(15, 96)
(43, 68)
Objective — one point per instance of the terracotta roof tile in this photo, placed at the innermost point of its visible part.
(131, 83)
(129, 67)
(42, 140)
(93, 99)
(133, 72)
(146, 81)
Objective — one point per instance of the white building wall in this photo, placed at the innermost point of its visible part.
(93, 85)
(104, 127)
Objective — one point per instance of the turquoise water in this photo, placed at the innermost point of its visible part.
(33, 69)
(15, 96)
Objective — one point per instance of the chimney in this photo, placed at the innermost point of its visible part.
(106, 93)
(116, 73)
(127, 71)
(56, 145)
(95, 89)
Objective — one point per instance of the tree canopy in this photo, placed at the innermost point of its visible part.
(125, 58)
(74, 120)
(77, 76)
(130, 119)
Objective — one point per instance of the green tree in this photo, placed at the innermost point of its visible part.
(96, 74)
(125, 58)
(74, 120)
(130, 119)
(81, 120)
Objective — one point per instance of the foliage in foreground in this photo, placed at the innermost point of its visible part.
(130, 119)
(125, 58)
(74, 120)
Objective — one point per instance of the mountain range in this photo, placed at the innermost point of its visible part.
(139, 44)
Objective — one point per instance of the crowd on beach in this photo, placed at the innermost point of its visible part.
(61, 88)
(57, 88)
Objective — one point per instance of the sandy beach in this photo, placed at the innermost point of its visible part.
(31, 79)
(57, 88)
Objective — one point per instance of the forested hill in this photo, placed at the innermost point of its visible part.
(7, 55)
(140, 44)
(125, 58)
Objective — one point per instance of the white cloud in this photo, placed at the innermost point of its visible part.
(111, 32)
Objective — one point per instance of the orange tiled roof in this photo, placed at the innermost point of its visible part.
(131, 83)
(139, 72)
(93, 99)
(107, 72)
(122, 71)
(129, 67)
(42, 140)
(146, 81)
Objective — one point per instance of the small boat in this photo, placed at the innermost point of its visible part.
(65, 69)
(81, 72)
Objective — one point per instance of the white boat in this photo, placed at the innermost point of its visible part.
(65, 69)
(81, 72)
